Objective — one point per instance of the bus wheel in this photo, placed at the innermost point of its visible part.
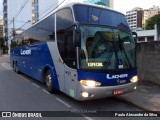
(16, 68)
(49, 81)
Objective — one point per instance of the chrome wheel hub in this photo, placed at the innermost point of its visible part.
(48, 80)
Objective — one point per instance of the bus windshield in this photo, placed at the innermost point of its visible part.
(106, 48)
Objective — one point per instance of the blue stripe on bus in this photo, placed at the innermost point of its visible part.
(39, 58)
(102, 77)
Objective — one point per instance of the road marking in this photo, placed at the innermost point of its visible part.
(66, 104)
(85, 116)
(6, 65)
(35, 85)
(22, 77)
(46, 91)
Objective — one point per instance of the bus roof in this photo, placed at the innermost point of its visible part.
(71, 4)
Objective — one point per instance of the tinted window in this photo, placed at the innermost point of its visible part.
(64, 21)
(47, 29)
(43, 31)
(26, 37)
(93, 15)
(36, 33)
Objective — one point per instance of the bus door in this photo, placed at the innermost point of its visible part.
(70, 63)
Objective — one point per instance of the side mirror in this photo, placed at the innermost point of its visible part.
(134, 34)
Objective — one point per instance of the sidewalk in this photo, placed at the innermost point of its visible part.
(146, 97)
(4, 58)
(4, 55)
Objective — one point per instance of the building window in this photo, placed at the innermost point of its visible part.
(33, 21)
(33, 15)
(141, 39)
(150, 38)
(33, 1)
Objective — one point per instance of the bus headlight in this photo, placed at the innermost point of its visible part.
(90, 83)
(134, 79)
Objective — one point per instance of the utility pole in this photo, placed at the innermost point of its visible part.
(5, 17)
(14, 32)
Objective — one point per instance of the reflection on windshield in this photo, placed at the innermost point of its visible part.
(105, 48)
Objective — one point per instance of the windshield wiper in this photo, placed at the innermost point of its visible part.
(123, 49)
(109, 56)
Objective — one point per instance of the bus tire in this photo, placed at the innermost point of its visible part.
(49, 81)
(16, 68)
(13, 65)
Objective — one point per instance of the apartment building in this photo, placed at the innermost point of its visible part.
(137, 17)
(35, 11)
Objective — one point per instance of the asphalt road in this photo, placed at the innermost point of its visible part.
(19, 92)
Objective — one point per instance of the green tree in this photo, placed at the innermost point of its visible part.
(100, 3)
(152, 21)
(14, 44)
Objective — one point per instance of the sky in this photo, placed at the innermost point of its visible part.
(1, 8)
(126, 5)
(120, 5)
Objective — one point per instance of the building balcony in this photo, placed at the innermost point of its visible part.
(5, 9)
(4, 2)
(5, 14)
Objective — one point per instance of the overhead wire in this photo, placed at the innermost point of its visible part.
(49, 12)
(18, 21)
(53, 9)
(48, 7)
(25, 3)
(20, 10)
(24, 24)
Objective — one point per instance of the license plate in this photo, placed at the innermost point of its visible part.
(118, 91)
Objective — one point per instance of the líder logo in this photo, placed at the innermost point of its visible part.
(116, 76)
(25, 52)
(95, 18)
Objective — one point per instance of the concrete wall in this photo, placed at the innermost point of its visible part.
(148, 60)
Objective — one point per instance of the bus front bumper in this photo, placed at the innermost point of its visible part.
(102, 92)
